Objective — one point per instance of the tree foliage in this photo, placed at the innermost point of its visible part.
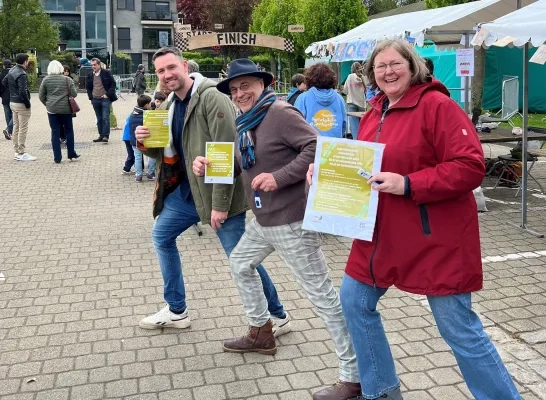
(195, 12)
(24, 26)
(444, 3)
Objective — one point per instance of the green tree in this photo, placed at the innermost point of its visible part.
(325, 19)
(24, 26)
(479, 64)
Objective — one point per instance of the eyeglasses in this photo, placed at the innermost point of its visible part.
(243, 87)
(395, 66)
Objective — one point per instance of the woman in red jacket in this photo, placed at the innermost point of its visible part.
(426, 239)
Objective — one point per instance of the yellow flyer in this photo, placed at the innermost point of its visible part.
(341, 202)
(157, 122)
(221, 157)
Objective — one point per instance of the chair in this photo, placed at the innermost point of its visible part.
(510, 172)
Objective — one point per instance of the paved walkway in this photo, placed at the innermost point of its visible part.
(80, 272)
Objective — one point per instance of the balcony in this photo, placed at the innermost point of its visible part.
(156, 16)
(54, 6)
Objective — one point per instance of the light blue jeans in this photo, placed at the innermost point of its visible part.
(354, 122)
(176, 217)
(139, 163)
(481, 366)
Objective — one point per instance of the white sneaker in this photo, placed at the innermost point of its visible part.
(166, 319)
(16, 156)
(26, 157)
(281, 326)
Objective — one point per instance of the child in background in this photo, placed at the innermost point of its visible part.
(159, 99)
(130, 161)
(135, 119)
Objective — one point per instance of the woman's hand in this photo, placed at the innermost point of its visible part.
(310, 173)
(388, 182)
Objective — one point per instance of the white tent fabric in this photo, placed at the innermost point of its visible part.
(527, 24)
(461, 17)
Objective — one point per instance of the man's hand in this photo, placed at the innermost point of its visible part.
(199, 165)
(217, 218)
(141, 133)
(391, 183)
(310, 174)
(264, 182)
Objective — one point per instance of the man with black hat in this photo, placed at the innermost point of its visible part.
(275, 147)
(4, 93)
(197, 114)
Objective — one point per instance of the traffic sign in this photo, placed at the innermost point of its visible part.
(218, 26)
(296, 28)
(181, 28)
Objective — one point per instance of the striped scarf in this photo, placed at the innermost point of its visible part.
(248, 121)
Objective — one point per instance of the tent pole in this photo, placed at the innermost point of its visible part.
(467, 79)
(524, 145)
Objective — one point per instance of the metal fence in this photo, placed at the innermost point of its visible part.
(510, 97)
(125, 82)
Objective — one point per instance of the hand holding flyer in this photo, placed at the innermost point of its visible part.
(221, 158)
(157, 122)
(341, 201)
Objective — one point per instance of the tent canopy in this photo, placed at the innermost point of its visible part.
(458, 18)
(524, 25)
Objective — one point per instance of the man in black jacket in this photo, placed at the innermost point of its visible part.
(101, 90)
(139, 82)
(4, 93)
(19, 97)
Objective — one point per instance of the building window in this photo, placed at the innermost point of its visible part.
(155, 10)
(153, 39)
(124, 38)
(61, 5)
(126, 5)
(69, 32)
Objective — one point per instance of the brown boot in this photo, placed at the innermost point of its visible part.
(340, 391)
(257, 339)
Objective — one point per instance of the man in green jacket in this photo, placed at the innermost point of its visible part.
(198, 113)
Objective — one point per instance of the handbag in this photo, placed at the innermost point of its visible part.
(74, 107)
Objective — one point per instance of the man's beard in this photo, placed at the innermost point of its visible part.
(180, 85)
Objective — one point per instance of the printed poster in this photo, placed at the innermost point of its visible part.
(341, 202)
(464, 62)
(221, 157)
(157, 122)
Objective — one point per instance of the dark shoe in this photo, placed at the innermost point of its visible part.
(339, 391)
(256, 340)
(74, 158)
(392, 395)
(63, 141)
(99, 139)
(151, 177)
(105, 139)
(57, 162)
(138, 179)
(7, 135)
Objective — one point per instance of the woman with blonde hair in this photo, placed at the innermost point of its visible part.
(426, 239)
(54, 92)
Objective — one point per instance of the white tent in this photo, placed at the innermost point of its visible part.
(527, 24)
(452, 21)
(521, 26)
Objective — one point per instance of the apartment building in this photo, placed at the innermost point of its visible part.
(97, 28)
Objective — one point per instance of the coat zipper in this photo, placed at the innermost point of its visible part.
(377, 216)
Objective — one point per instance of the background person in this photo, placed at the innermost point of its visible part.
(101, 90)
(139, 82)
(298, 87)
(4, 93)
(426, 238)
(355, 90)
(54, 95)
(321, 105)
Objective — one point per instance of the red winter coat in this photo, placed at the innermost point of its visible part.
(427, 243)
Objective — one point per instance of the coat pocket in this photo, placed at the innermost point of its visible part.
(425, 223)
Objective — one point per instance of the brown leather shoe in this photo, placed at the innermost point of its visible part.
(339, 391)
(257, 339)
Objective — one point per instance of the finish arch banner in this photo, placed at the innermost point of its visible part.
(233, 39)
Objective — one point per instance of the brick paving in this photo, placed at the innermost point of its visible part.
(80, 272)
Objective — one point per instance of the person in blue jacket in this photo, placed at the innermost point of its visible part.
(321, 105)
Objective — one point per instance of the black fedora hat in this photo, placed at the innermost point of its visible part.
(243, 67)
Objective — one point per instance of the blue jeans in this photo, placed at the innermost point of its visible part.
(56, 122)
(102, 112)
(9, 118)
(139, 163)
(354, 122)
(130, 160)
(177, 216)
(481, 366)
